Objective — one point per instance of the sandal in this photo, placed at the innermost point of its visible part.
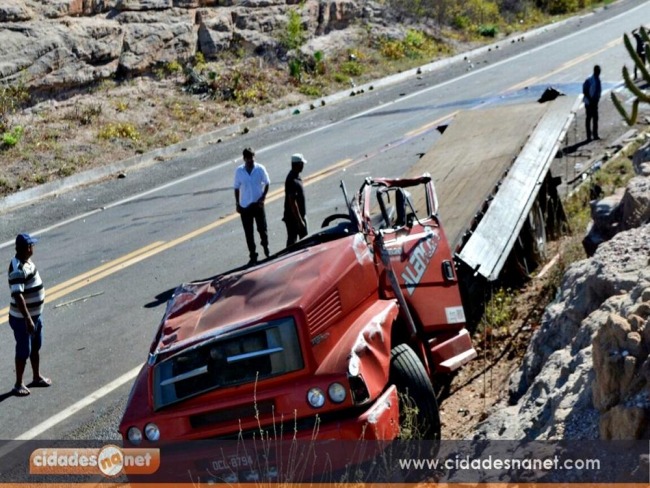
(41, 382)
(20, 390)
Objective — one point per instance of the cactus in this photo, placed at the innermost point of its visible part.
(640, 95)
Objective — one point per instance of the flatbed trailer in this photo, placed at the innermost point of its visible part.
(496, 193)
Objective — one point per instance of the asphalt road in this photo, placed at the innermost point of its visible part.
(111, 253)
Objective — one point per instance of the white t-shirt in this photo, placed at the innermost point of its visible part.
(251, 186)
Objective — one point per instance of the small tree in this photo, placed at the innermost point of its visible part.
(294, 34)
(640, 95)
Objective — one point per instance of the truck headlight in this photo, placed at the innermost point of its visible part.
(134, 435)
(152, 432)
(336, 392)
(316, 397)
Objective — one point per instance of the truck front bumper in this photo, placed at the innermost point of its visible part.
(329, 449)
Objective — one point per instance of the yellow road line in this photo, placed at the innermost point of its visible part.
(568, 64)
(150, 250)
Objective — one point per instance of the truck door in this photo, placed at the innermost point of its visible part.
(419, 252)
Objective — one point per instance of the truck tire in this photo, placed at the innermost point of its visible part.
(407, 373)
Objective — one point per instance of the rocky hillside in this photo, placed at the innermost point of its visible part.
(586, 374)
(57, 45)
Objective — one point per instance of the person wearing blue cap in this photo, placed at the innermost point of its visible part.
(25, 313)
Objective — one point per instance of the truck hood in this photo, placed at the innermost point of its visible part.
(207, 309)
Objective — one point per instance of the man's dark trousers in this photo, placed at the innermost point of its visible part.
(592, 118)
(294, 231)
(250, 214)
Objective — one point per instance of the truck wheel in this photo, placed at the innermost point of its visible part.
(418, 406)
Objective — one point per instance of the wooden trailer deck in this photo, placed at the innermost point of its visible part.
(493, 162)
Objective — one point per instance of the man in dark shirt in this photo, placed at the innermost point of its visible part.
(640, 50)
(294, 201)
(591, 89)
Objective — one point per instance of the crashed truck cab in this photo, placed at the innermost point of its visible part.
(322, 337)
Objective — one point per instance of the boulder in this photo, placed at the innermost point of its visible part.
(635, 204)
(586, 368)
(15, 11)
(43, 46)
(641, 160)
(624, 209)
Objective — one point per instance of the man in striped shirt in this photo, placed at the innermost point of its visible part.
(25, 311)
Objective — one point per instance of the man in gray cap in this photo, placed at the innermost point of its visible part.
(25, 312)
(294, 201)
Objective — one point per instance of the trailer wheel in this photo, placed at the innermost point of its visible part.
(418, 406)
(530, 250)
(537, 226)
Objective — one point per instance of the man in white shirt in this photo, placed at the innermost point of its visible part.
(251, 186)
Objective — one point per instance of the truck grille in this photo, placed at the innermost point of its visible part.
(327, 309)
(267, 350)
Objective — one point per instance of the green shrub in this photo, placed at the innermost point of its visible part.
(199, 61)
(341, 78)
(121, 106)
(352, 68)
(295, 69)
(12, 98)
(11, 138)
(120, 130)
(310, 90)
(173, 67)
(561, 7)
(319, 63)
(500, 309)
(488, 30)
(392, 49)
(414, 39)
(460, 22)
(5, 186)
(294, 34)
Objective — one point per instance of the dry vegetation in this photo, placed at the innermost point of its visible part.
(42, 141)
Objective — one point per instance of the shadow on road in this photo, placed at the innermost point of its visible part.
(574, 147)
(4, 396)
(161, 298)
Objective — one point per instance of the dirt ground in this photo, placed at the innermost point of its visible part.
(483, 382)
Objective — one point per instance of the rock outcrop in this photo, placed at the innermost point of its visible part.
(63, 44)
(586, 374)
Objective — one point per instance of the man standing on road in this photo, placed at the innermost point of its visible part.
(640, 50)
(591, 90)
(251, 186)
(25, 313)
(294, 201)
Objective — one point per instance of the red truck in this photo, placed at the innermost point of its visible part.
(332, 331)
(336, 336)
